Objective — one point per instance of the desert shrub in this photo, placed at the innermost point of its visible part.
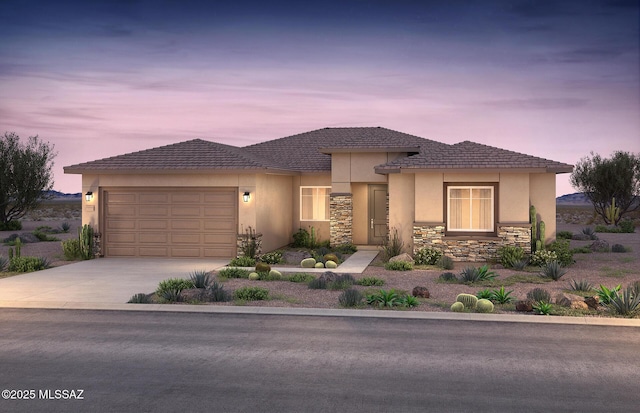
(200, 278)
(627, 226)
(250, 243)
(384, 298)
(581, 285)
(445, 262)
(448, 277)
(626, 303)
(346, 248)
(394, 246)
(71, 249)
(301, 277)
(589, 232)
(273, 257)
(564, 235)
(44, 237)
(486, 294)
(243, 261)
(618, 248)
(300, 238)
(501, 296)
(398, 266)
(233, 272)
(215, 292)
(542, 307)
(582, 250)
(65, 227)
(552, 270)
(341, 282)
(170, 295)
(318, 284)
(408, 301)
(28, 264)
(563, 252)
(11, 226)
(605, 294)
(4, 262)
(541, 257)
(477, 274)
(251, 294)
(539, 295)
(140, 298)
(350, 298)
(370, 282)
(427, 256)
(509, 255)
(521, 265)
(172, 284)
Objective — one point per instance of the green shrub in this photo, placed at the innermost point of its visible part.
(563, 252)
(140, 298)
(398, 266)
(300, 277)
(350, 298)
(250, 243)
(605, 294)
(243, 261)
(318, 284)
(200, 278)
(448, 277)
(486, 294)
(509, 255)
(173, 284)
(408, 301)
(427, 256)
(553, 270)
(627, 303)
(627, 226)
(11, 226)
(346, 248)
(28, 264)
(564, 235)
(384, 298)
(501, 296)
(582, 285)
(371, 282)
(233, 272)
(394, 246)
(539, 295)
(251, 294)
(273, 257)
(618, 248)
(44, 237)
(541, 257)
(542, 307)
(581, 250)
(445, 262)
(71, 249)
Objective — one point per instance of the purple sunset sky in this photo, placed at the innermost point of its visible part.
(555, 79)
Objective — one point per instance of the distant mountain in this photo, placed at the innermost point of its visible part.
(61, 195)
(577, 198)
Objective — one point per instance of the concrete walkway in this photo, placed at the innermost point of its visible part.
(355, 264)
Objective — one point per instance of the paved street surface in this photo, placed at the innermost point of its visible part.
(184, 362)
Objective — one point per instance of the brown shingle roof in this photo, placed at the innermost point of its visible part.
(471, 155)
(196, 154)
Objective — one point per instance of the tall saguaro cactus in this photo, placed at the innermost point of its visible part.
(537, 237)
(85, 236)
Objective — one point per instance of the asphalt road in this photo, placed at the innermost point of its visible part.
(185, 362)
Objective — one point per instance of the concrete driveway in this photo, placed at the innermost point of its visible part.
(105, 280)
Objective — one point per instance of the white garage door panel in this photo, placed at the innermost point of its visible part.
(170, 222)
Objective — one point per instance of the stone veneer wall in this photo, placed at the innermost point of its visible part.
(470, 249)
(341, 219)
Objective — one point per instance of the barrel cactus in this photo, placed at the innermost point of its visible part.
(319, 265)
(330, 264)
(469, 300)
(457, 307)
(484, 306)
(254, 276)
(263, 267)
(275, 274)
(308, 263)
(330, 257)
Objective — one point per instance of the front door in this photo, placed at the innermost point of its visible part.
(377, 214)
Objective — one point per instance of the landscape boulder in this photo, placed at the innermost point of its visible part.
(592, 302)
(600, 245)
(420, 291)
(571, 301)
(524, 306)
(404, 257)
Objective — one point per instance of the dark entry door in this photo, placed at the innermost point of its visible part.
(377, 214)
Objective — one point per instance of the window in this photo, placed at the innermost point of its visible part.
(314, 203)
(470, 209)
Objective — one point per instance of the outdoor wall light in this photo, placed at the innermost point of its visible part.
(88, 196)
(246, 196)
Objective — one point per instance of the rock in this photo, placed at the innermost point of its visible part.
(329, 276)
(404, 257)
(571, 301)
(525, 306)
(599, 245)
(592, 302)
(420, 292)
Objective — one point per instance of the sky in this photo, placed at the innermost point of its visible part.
(555, 79)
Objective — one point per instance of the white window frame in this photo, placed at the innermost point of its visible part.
(315, 197)
(470, 188)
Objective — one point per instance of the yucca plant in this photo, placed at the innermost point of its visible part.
(553, 270)
(215, 293)
(627, 303)
(582, 285)
(170, 295)
(200, 278)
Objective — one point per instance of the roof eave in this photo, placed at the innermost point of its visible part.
(104, 171)
(413, 170)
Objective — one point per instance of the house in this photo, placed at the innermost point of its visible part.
(352, 185)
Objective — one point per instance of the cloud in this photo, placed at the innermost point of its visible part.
(536, 103)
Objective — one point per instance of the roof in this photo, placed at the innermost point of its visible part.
(310, 152)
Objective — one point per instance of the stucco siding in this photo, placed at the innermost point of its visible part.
(513, 198)
(360, 213)
(542, 194)
(429, 197)
(402, 207)
(274, 207)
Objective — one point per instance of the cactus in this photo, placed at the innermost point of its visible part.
(612, 212)
(263, 267)
(10, 253)
(275, 274)
(457, 307)
(469, 300)
(85, 236)
(330, 264)
(542, 236)
(330, 257)
(18, 247)
(254, 276)
(533, 217)
(319, 265)
(308, 263)
(484, 306)
(539, 245)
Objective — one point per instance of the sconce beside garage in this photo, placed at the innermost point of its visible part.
(88, 196)
(246, 196)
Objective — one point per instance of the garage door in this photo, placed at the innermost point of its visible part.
(170, 222)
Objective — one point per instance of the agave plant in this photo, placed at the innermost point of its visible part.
(582, 285)
(627, 303)
(501, 296)
(200, 279)
(605, 294)
(384, 298)
(553, 270)
(487, 294)
(542, 308)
